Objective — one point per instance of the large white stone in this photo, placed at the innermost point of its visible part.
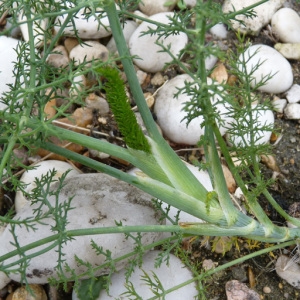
(253, 25)
(8, 56)
(98, 202)
(29, 177)
(262, 61)
(169, 275)
(261, 117)
(89, 51)
(286, 25)
(86, 27)
(170, 114)
(149, 58)
(151, 7)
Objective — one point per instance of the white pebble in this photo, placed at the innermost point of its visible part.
(263, 61)
(7, 58)
(59, 58)
(219, 31)
(89, 51)
(86, 27)
(288, 269)
(252, 25)
(169, 276)
(150, 59)
(286, 25)
(151, 7)
(170, 114)
(293, 94)
(261, 117)
(38, 27)
(288, 50)
(292, 111)
(190, 3)
(279, 105)
(98, 201)
(40, 170)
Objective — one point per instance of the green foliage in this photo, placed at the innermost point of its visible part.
(119, 104)
(24, 124)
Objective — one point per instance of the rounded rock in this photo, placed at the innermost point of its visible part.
(169, 276)
(96, 201)
(59, 58)
(262, 61)
(253, 25)
(152, 7)
(170, 114)
(8, 56)
(87, 52)
(261, 117)
(149, 58)
(86, 27)
(32, 292)
(29, 177)
(286, 25)
(292, 111)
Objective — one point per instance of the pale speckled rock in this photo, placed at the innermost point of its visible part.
(128, 29)
(267, 62)
(144, 47)
(38, 27)
(236, 290)
(279, 105)
(190, 3)
(59, 58)
(253, 25)
(289, 51)
(95, 102)
(169, 276)
(40, 170)
(168, 110)
(286, 25)
(293, 94)
(78, 84)
(152, 7)
(261, 117)
(219, 31)
(289, 270)
(89, 51)
(7, 58)
(32, 292)
(292, 111)
(87, 28)
(4, 279)
(98, 201)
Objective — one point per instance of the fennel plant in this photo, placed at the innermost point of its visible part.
(167, 178)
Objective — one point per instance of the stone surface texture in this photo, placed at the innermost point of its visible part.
(98, 201)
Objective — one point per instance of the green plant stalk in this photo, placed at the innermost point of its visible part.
(245, 225)
(173, 166)
(185, 230)
(211, 154)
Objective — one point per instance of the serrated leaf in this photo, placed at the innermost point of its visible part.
(90, 289)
